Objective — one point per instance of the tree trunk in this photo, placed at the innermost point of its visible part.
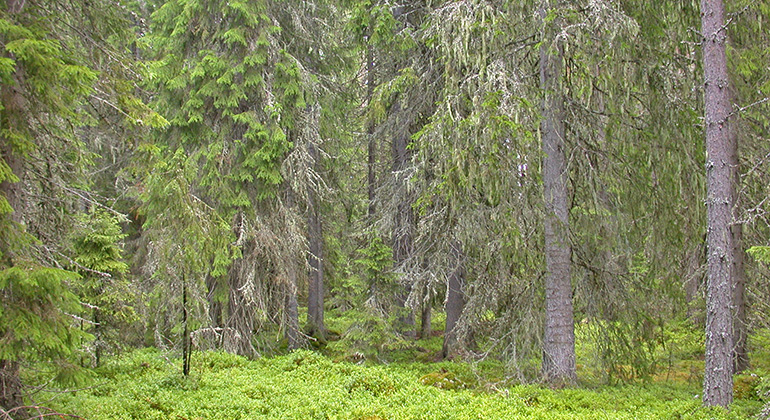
(215, 306)
(289, 287)
(739, 302)
(11, 397)
(291, 314)
(559, 344)
(315, 304)
(425, 320)
(11, 392)
(740, 322)
(239, 326)
(692, 273)
(98, 338)
(455, 302)
(720, 202)
(403, 231)
(11, 183)
(186, 333)
(10, 189)
(372, 149)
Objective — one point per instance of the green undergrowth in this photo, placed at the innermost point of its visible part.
(306, 385)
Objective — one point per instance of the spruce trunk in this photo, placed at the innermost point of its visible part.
(11, 399)
(740, 321)
(186, 348)
(11, 392)
(425, 319)
(455, 302)
(559, 345)
(739, 302)
(315, 304)
(720, 147)
(403, 231)
(371, 163)
(291, 314)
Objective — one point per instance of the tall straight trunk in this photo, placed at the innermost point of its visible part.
(720, 202)
(372, 146)
(315, 304)
(290, 288)
(11, 390)
(741, 352)
(98, 339)
(14, 112)
(425, 319)
(186, 331)
(9, 189)
(692, 262)
(291, 314)
(403, 231)
(559, 344)
(740, 322)
(215, 306)
(455, 301)
(426, 312)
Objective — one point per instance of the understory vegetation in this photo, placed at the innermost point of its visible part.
(146, 384)
(409, 383)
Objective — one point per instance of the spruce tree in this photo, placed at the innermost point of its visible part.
(58, 69)
(242, 96)
(103, 289)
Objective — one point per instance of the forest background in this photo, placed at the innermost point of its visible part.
(576, 190)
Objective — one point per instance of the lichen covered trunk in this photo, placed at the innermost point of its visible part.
(291, 315)
(559, 342)
(403, 231)
(315, 304)
(720, 203)
(455, 302)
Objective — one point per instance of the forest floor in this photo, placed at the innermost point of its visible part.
(147, 384)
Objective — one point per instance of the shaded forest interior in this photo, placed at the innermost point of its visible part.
(575, 192)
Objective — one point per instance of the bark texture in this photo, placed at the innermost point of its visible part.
(741, 328)
(559, 344)
(11, 397)
(371, 163)
(186, 347)
(425, 327)
(315, 304)
(214, 305)
(290, 287)
(240, 317)
(403, 231)
(10, 190)
(11, 389)
(720, 202)
(455, 302)
(12, 115)
(740, 321)
(291, 314)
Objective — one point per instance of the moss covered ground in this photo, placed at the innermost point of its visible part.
(145, 384)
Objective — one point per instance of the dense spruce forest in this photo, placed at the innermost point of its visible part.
(381, 209)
